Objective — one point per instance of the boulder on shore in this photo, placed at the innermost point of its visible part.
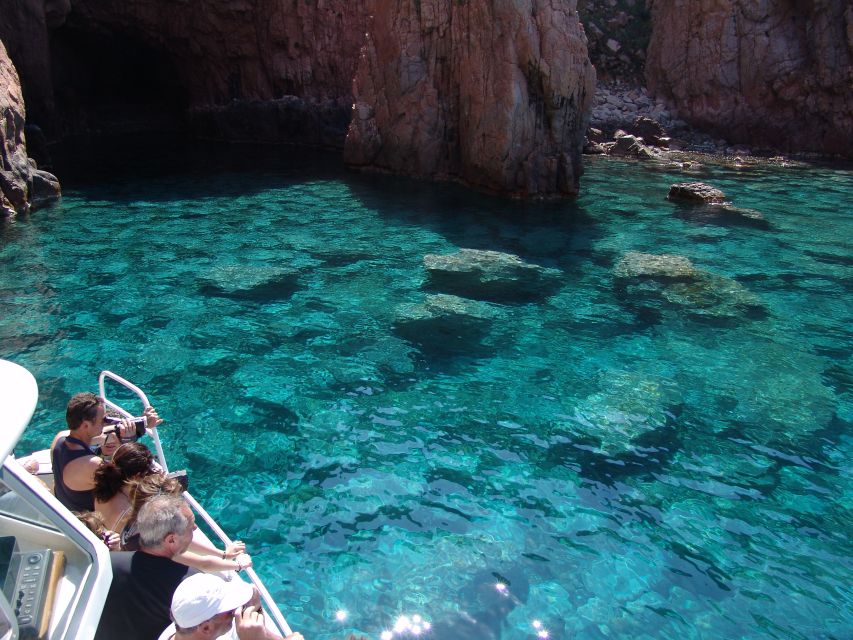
(489, 275)
(651, 131)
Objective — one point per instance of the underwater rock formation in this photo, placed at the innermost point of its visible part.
(489, 275)
(245, 282)
(774, 73)
(669, 280)
(628, 409)
(22, 184)
(494, 95)
(446, 323)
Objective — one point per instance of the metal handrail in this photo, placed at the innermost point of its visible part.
(266, 598)
(161, 457)
(265, 595)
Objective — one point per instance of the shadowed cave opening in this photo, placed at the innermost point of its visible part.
(111, 83)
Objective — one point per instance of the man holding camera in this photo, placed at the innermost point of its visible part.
(72, 456)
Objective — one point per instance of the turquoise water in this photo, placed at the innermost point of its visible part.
(629, 463)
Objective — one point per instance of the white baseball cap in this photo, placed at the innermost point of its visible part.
(203, 595)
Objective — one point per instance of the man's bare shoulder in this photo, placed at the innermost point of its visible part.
(64, 433)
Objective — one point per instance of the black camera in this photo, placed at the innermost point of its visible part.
(138, 423)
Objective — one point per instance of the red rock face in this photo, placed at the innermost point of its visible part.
(22, 185)
(494, 94)
(777, 73)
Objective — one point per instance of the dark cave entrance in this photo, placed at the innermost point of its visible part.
(113, 84)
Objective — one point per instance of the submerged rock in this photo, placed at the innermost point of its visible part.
(446, 322)
(628, 407)
(725, 215)
(489, 275)
(243, 282)
(696, 192)
(656, 266)
(674, 280)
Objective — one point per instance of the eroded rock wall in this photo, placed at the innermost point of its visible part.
(22, 185)
(495, 94)
(774, 72)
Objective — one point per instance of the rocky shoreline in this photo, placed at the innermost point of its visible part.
(627, 121)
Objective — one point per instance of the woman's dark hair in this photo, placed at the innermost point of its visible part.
(131, 460)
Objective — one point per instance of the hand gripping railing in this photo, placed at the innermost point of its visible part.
(266, 598)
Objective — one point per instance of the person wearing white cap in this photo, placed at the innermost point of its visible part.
(205, 607)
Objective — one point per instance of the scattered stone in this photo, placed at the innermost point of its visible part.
(489, 275)
(696, 192)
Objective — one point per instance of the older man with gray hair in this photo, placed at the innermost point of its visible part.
(137, 606)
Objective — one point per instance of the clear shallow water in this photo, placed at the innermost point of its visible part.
(628, 466)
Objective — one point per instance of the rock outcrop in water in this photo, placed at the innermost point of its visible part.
(495, 95)
(22, 184)
(702, 202)
(774, 73)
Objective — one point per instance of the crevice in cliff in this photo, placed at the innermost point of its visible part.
(107, 83)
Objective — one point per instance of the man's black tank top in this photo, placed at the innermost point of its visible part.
(61, 456)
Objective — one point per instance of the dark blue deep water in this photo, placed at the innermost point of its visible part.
(641, 461)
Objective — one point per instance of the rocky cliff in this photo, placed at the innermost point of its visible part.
(494, 94)
(259, 70)
(22, 184)
(774, 73)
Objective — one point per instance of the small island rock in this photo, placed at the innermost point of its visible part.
(696, 192)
